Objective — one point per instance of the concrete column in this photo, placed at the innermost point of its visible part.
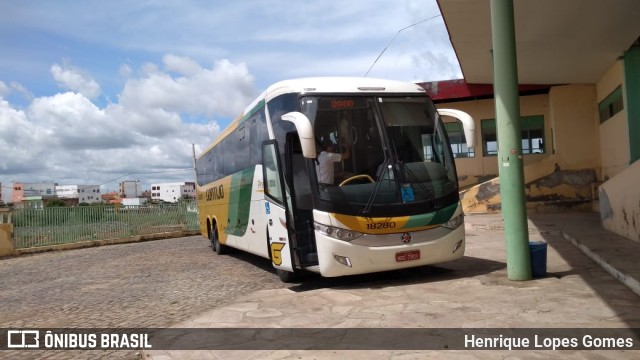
(510, 163)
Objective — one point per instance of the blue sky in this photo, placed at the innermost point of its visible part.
(93, 90)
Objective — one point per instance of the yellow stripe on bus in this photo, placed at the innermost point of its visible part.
(384, 225)
(213, 200)
(387, 225)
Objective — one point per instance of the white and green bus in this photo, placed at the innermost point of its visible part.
(394, 200)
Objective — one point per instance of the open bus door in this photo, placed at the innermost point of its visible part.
(276, 210)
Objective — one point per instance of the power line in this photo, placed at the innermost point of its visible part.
(394, 37)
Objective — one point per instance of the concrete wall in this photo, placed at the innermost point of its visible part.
(574, 119)
(571, 132)
(564, 176)
(620, 193)
(559, 190)
(6, 235)
(613, 134)
(620, 203)
(6, 232)
(476, 169)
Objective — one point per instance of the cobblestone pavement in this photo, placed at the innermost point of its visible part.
(149, 284)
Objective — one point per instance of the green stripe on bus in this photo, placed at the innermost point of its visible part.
(255, 109)
(433, 218)
(240, 202)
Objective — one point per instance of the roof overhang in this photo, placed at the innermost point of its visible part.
(557, 42)
(459, 90)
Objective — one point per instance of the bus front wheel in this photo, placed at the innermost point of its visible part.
(287, 276)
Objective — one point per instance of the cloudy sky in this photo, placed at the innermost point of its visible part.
(96, 92)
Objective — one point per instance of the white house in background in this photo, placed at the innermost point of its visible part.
(133, 201)
(84, 193)
(130, 189)
(172, 192)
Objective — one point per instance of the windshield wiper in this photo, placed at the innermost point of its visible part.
(376, 187)
(404, 169)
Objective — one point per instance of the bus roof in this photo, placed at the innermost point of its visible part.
(337, 85)
(320, 85)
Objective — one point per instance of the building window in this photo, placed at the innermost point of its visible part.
(458, 141)
(611, 105)
(489, 137)
(531, 130)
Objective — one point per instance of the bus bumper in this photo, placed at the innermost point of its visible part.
(339, 258)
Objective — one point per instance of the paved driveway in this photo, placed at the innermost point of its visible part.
(149, 284)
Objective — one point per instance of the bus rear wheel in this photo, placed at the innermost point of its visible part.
(215, 241)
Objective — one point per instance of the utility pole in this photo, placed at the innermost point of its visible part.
(510, 164)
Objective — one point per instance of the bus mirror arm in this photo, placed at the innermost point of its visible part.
(305, 132)
(467, 123)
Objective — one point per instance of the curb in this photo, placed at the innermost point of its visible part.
(104, 242)
(629, 281)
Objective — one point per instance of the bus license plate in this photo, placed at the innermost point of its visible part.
(407, 255)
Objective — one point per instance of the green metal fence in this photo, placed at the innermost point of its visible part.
(63, 225)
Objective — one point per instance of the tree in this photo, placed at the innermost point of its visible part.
(55, 203)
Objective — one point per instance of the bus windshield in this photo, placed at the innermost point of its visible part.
(380, 155)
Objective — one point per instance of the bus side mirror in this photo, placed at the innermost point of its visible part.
(468, 124)
(305, 132)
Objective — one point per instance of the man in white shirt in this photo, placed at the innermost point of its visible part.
(325, 161)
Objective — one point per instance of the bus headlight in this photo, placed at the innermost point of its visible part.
(337, 233)
(454, 223)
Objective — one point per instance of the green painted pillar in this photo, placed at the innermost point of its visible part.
(510, 164)
(632, 99)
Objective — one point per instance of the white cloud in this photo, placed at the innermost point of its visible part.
(182, 65)
(75, 80)
(224, 90)
(125, 70)
(68, 138)
(76, 123)
(16, 130)
(20, 89)
(120, 112)
(4, 89)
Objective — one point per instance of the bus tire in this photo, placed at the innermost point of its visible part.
(287, 276)
(215, 241)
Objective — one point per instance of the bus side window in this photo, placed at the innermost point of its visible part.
(258, 135)
(228, 156)
(278, 107)
(242, 149)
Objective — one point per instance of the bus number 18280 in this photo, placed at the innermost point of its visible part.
(381, 225)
